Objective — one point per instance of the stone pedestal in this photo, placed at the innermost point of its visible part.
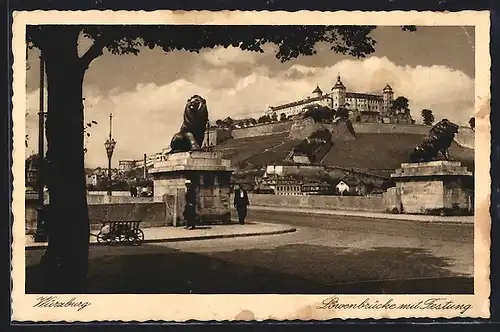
(211, 178)
(436, 187)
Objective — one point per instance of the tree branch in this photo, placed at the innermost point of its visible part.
(93, 52)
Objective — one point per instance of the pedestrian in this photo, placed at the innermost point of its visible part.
(241, 203)
(190, 207)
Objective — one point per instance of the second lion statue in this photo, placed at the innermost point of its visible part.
(190, 136)
(438, 140)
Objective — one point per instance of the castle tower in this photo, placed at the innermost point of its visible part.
(388, 95)
(338, 93)
(317, 92)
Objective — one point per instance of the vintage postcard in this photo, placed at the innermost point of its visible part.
(196, 165)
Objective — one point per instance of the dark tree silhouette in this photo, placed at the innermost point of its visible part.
(283, 117)
(427, 117)
(472, 123)
(318, 113)
(274, 117)
(400, 105)
(66, 258)
(264, 119)
(342, 113)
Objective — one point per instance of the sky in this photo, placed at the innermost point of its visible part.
(433, 67)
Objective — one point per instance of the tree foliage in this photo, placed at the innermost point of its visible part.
(342, 113)
(427, 117)
(292, 41)
(318, 113)
(264, 119)
(400, 105)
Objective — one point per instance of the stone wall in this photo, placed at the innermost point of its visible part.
(260, 130)
(152, 214)
(373, 203)
(217, 136)
(303, 128)
(104, 192)
(389, 128)
(465, 136)
(392, 200)
(104, 199)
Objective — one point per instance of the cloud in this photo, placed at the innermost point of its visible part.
(146, 116)
(221, 56)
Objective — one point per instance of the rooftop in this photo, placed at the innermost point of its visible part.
(363, 96)
(298, 103)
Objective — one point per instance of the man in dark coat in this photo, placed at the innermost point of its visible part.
(190, 207)
(241, 203)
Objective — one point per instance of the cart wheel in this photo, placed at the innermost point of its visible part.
(100, 238)
(129, 237)
(138, 237)
(123, 238)
(111, 238)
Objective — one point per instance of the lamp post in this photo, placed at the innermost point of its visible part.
(40, 235)
(110, 147)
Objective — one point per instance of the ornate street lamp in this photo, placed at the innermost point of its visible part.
(110, 147)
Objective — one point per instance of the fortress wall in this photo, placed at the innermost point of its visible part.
(261, 130)
(217, 136)
(389, 128)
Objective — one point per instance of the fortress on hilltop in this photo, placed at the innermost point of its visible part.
(363, 107)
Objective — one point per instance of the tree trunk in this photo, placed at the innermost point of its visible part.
(66, 259)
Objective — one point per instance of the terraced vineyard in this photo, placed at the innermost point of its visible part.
(373, 153)
(275, 154)
(380, 153)
(240, 149)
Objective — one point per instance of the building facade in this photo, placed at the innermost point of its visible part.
(295, 107)
(317, 188)
(363, 107)
(126, 165)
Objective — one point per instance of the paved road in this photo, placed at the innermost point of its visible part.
(442, 232)
(327, 254)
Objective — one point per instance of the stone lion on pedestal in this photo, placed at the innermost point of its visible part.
(438, 140)
(190, 136)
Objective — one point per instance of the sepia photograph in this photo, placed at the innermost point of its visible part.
(170, 158)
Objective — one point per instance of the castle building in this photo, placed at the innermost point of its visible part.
(363, 107)
(295, 107)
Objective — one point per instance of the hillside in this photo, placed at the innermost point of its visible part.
(376, 153)
(382, 153)
(241, 149)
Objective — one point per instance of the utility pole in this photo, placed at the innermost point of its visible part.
(145, 170)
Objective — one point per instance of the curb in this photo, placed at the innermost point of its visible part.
(190, 238)
(398, 217)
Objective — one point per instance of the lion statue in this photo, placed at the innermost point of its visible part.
(190, 136)
(438, 140)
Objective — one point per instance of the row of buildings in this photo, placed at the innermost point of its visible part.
(363, 107)
(289, 186)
